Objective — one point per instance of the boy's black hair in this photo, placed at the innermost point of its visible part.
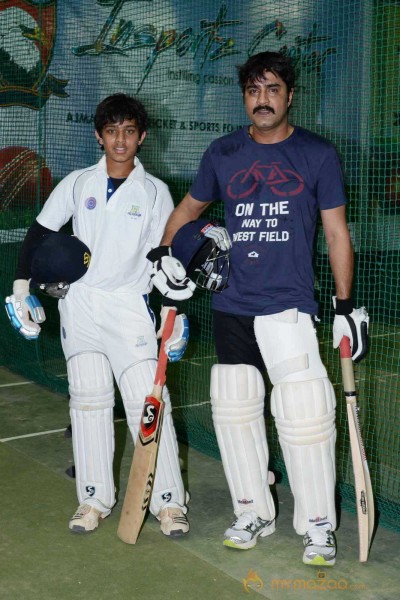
(274, 62)
(118, 108)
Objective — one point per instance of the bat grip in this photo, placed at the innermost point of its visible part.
(162, 356)
(345, 348)
(347, 366)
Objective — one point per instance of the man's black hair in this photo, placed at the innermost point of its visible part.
(273, 62)
(119, 108)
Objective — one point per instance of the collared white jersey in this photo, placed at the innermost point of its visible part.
(120, 232)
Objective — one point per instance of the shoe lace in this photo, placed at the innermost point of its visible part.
(319, 536)
(245, 520)
(174, 513)
(81, 511)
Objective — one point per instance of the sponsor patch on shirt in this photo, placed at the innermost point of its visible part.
(135, 212)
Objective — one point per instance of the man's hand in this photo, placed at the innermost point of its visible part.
(353, 323)
(176, 345)
(168, 274)
(24, 310)
(219, 235)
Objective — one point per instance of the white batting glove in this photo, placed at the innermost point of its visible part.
(176, 345)
(168, 274)
(219, 235)
(353, 323)
(24, 310)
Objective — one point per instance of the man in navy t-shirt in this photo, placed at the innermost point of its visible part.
(274, 179)
(272, 194)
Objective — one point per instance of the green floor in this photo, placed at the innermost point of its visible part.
(39, 558)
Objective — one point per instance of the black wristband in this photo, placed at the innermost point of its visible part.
(33, 238)
(157, 253)
(344, 307)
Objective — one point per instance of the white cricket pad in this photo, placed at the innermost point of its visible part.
(289, 346)
(303, 404)
(237, 401)
(91, 407)
(135, 384)
(305, 420)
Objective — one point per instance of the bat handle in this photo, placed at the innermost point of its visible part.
(347, 368)
(162, 356)
(345, 348)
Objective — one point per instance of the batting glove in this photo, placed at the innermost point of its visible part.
(353, 323)
(168, 274)
(24, 310)
(176, 345)
(219, 235)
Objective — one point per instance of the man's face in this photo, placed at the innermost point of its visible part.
(120, 141)
(267, 101)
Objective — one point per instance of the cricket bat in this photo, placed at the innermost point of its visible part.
(142, 473)
(362, 479)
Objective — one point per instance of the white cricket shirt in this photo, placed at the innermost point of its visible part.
(120, 232)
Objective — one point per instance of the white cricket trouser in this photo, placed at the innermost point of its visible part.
(106, 335)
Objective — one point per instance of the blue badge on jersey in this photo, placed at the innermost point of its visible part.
(90, 203)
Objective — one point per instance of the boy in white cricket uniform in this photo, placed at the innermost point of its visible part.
(107, 328)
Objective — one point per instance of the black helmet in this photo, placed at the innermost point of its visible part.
(205, 263)
(58, 261)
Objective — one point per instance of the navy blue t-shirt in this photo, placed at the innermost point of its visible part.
(272, 195)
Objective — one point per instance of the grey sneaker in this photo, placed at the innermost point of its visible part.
(319, 546)
(243, 532)
(86, 519)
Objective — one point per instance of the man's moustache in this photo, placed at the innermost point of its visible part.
(269, 108)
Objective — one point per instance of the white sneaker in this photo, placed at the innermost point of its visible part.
(320, 546)
(173, 521)
(243, 532)
(86, 519)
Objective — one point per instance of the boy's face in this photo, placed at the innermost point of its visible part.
(120, 141)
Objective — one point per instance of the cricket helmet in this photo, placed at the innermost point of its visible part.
(58, 261)
(205, 263)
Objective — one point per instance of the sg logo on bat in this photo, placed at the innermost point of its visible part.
(148, 416)
(151, 416)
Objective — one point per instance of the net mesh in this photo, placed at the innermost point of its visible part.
(59, 59)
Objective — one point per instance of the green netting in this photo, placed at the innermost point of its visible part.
(58, 59)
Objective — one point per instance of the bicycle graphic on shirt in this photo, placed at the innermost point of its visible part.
(281, 182)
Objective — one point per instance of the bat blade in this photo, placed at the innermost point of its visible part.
(362, 479)
(142, 472)
(360, 486)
